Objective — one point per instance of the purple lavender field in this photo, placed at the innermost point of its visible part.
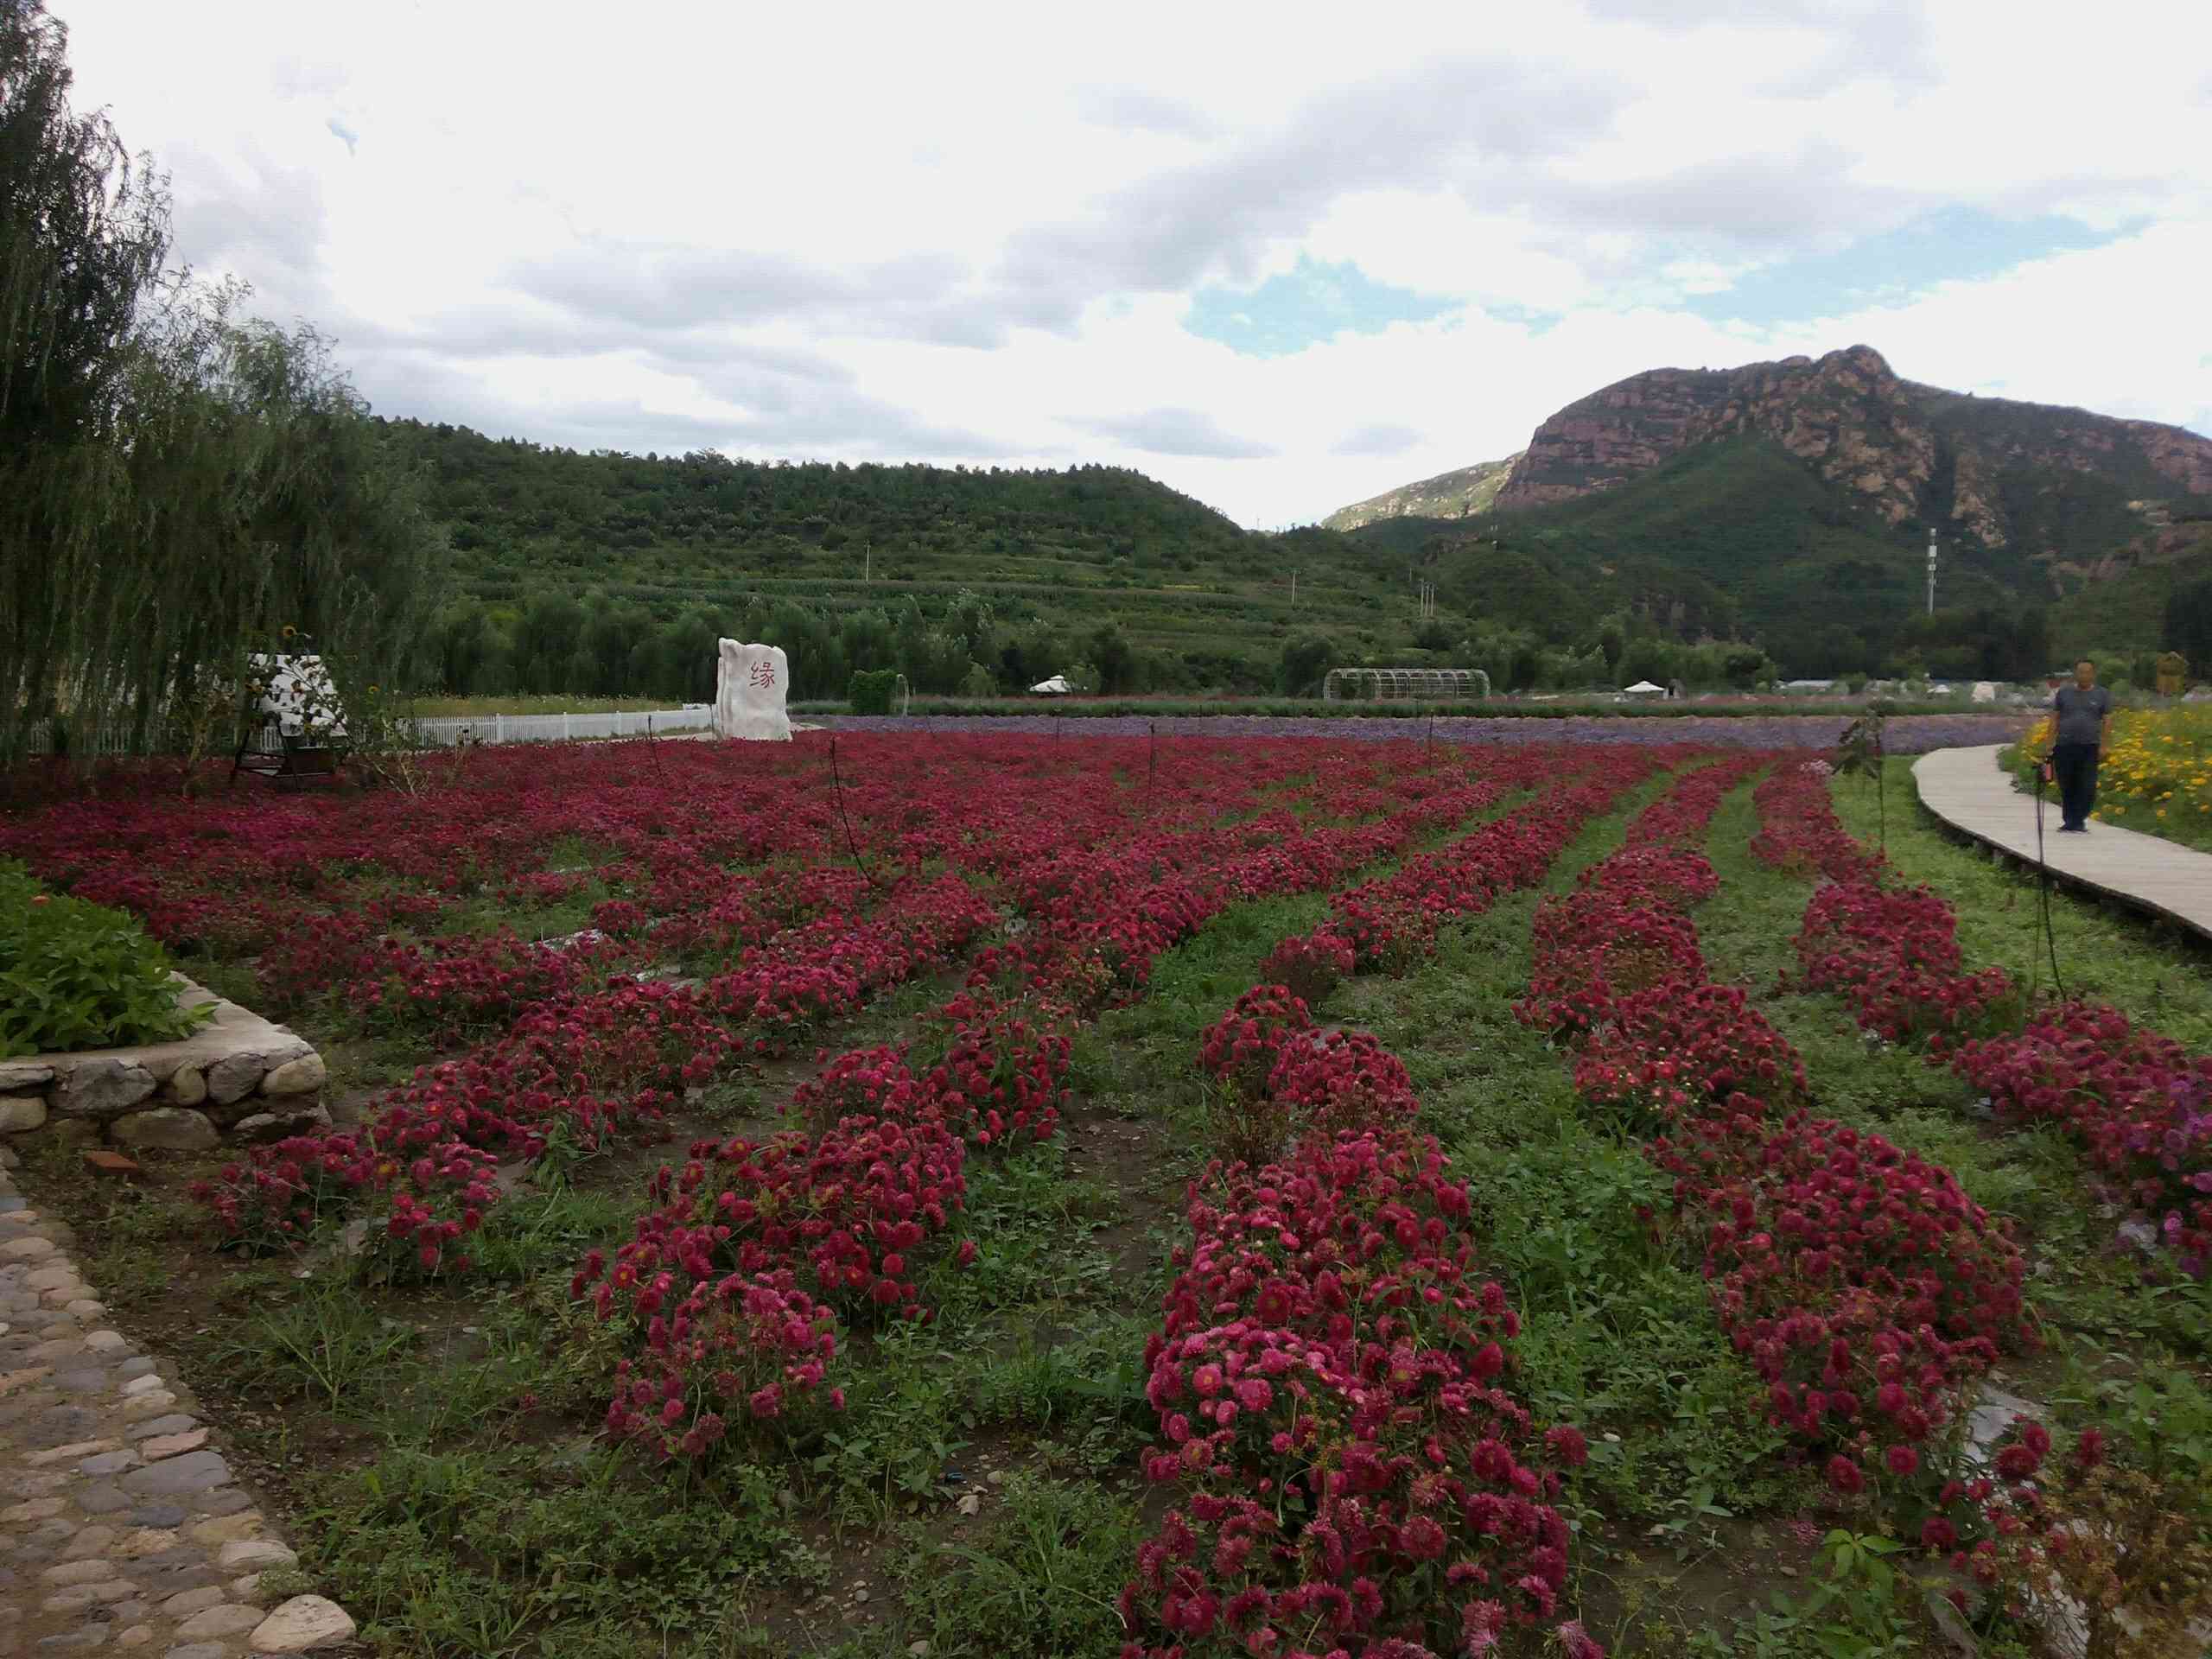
(1907, 734)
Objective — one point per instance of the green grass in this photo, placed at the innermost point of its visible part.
(1040, 1575)
(1618, 1335)
(2028, 1174)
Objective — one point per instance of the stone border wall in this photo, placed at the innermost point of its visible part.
(238, 1078)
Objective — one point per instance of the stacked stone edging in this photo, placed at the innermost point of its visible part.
(238, 1077)
(121, 1527)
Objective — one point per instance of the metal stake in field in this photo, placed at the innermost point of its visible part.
(2050, 938)
(851, 846)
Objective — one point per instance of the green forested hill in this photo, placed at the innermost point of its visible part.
(1795, 497)
(2128, 607)
(1738, 536)
(615, 573)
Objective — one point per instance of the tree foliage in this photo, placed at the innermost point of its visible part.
(179, 482)
(2189, 624)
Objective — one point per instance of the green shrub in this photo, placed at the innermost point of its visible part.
(74, 976)
(871, 690)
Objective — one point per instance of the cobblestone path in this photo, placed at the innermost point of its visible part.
(121, 1529)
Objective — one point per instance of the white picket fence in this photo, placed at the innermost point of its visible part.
(118, 738)
(447, 731)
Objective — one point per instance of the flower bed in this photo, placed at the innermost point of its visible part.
(1331, 1374)
(841, 1211)
(1392, 922)
(2156, 777)
(1856, 1277)
(2137, 1105)
(735, 866)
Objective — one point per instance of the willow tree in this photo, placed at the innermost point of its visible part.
(179, 483)
(83, 232)
(260, 500)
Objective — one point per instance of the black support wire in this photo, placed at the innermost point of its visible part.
(851, 846)
(2043, 869)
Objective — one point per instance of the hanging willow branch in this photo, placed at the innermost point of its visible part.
(179, 482)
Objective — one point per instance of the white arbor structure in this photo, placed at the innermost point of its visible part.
(1379, 684)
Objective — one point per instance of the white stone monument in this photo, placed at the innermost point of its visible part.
(750, 686)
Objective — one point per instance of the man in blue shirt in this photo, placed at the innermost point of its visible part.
(2082, 712)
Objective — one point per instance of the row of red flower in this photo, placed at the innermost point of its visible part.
(678, 907)
(735, 1282)
(577, 1066)
(1856, 1277)
(579, 1071)
(669, 826)
(1330, 1370)
(1392, 922)
(2138, 1104)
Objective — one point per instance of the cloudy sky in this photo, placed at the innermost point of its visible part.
(1282, 259)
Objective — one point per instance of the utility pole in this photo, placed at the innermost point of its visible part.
(868, 563)
(1931, 570)
(1293, 587)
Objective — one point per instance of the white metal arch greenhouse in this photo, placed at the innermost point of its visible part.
(1379, 684)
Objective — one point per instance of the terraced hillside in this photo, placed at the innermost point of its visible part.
(1051, 553)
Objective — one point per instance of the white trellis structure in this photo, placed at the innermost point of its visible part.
(1380, 685)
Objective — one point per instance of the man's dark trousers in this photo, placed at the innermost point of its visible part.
(2076, 764)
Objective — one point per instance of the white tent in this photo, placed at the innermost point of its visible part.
(1644, 688)
(1058, 686)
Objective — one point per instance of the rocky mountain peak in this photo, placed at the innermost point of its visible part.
(1911, 453)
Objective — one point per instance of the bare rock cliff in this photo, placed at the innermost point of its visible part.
(1912, 453)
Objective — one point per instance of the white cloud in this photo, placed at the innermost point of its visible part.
(972, 233)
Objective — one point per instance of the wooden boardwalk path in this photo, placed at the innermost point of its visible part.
(1966, 790)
